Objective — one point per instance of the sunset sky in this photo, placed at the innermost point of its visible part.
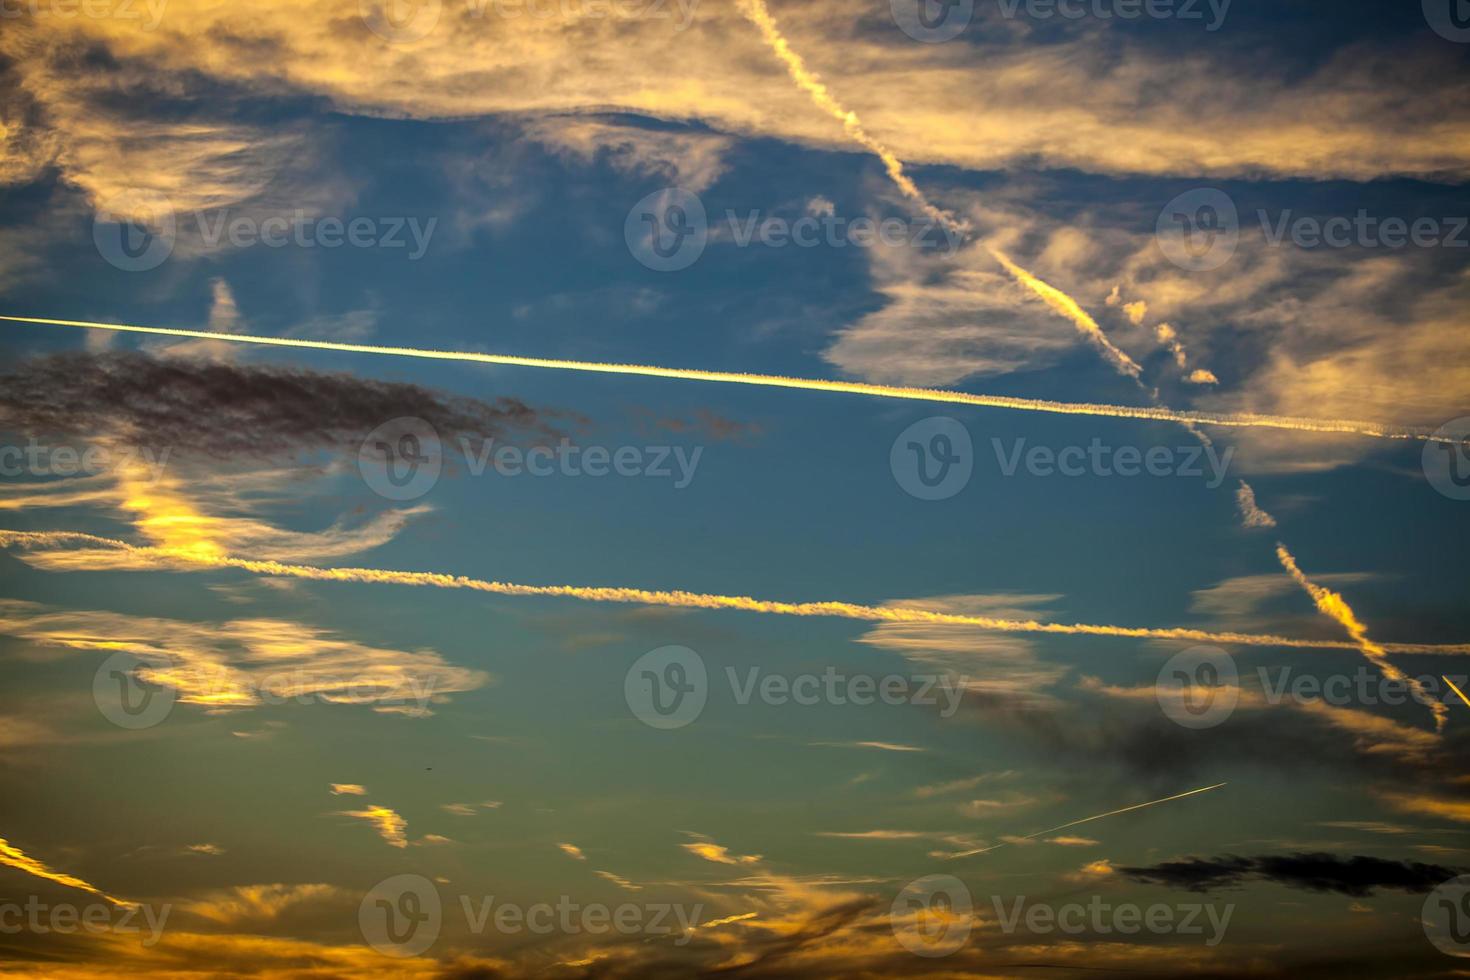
(928, 474)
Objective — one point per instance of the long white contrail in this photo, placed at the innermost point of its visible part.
(1151, 413)
(1075, 823)
(169, 558)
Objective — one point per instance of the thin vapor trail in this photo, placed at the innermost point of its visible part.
(1075, 823)
(1150, 413)
(167, 558)
(1334, 606)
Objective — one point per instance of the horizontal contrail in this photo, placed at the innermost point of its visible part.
(1152, 413)
(165, 557)
(1074, 823)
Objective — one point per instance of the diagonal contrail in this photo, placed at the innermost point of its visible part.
(1075, 823)
(1151, 413)
(174, 557)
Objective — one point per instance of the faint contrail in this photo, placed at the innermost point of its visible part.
(13, 857)
(1151, 413)
(1334, 606)
(169, 557)
(1074, 823)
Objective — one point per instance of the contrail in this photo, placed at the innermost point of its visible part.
(166, 557)
(13, 857)
(1457, 690)
(1074, 823)
(1150, 413)
(756, 12)
(1334, 606)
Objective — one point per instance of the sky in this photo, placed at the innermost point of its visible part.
(662, 488)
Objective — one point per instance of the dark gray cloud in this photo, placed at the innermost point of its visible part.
(226, 410)
(1357, 876)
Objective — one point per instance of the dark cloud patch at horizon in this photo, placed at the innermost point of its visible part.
(1355, 876)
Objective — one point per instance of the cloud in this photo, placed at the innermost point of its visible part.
(386, 821)
(1357, 876)
(258, 903)
(573, 851)
(348, 789)
(223, 410)
(718, 853)
(245, 663)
